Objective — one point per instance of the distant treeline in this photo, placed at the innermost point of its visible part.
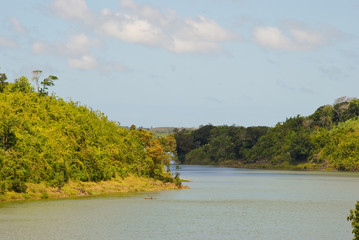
(46, 139)
(329, 138)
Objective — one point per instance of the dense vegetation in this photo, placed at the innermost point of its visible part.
(44, 139)
(354, 219)
(329, 138)
(216, 144)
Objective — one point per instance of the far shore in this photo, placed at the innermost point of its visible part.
(262, 165)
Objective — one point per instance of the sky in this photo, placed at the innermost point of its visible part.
(171, 63)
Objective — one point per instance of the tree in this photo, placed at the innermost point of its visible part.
(341, 105)
(202, 134)
(46, 83)
(35, 77)
(323, 116)
(3, 82)
(300, 146)
(21, 84)
(354, 218)
(185, 143)
(7, 135)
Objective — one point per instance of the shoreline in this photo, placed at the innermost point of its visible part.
(78, 189)
(299, 167)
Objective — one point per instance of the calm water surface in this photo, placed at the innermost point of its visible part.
(223, 203)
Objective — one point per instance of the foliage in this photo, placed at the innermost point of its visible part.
(185, 143)
(329, 138)
(46, 83)
(354, 218)
(342, 145)
(3, 82)
(216, 144)
(47, 139)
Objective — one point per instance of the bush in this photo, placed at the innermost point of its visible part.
(354, 218)
(2, 188)
(18, 186)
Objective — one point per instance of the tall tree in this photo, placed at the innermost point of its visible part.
(35, 77)
(46, 83)
(3, 82)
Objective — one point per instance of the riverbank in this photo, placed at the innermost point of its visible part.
(284, 166)
(74, 189)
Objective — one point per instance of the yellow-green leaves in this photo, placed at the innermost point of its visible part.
(44, 139)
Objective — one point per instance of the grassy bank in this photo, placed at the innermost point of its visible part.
(73, 189)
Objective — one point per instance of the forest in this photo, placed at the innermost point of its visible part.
(327, 139)
(45, 139)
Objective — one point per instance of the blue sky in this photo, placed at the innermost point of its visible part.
(190, 62)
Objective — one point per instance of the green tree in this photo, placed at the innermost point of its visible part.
(7, 124)
(202, 135)
(46, 83)
(185, 143)
(354, 218)
(21, 84)
(3, 82)
(300, 147)
(323, 116)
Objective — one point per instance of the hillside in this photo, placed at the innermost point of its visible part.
(327, 139)
(46, 140)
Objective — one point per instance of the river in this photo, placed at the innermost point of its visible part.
(223, 203)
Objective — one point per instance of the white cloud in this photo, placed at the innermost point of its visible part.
(79, 44)
(272, 37)
(73, 10)
(202, 28)
(199, 35)
(7, 43)
(144, 24)
(132, 29)
(293, 36)
(85, 62)
(78, 52)
(17, 26)
(150, 26)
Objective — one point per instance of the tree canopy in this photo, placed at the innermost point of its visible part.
(47, 139)
(329, 138)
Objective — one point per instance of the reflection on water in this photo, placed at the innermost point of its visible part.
(223, 203)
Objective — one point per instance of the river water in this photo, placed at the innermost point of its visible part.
(223, 203)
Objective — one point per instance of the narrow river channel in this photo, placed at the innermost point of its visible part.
(223, 203)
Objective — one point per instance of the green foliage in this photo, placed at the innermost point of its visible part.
(46, 139)
(342, 145)
(216, 144)
(18, 186)
(329, 138)
(2, 188)
(46, 83)
(3, 82)
(21, 84)
(185, 143)
(354, 218)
